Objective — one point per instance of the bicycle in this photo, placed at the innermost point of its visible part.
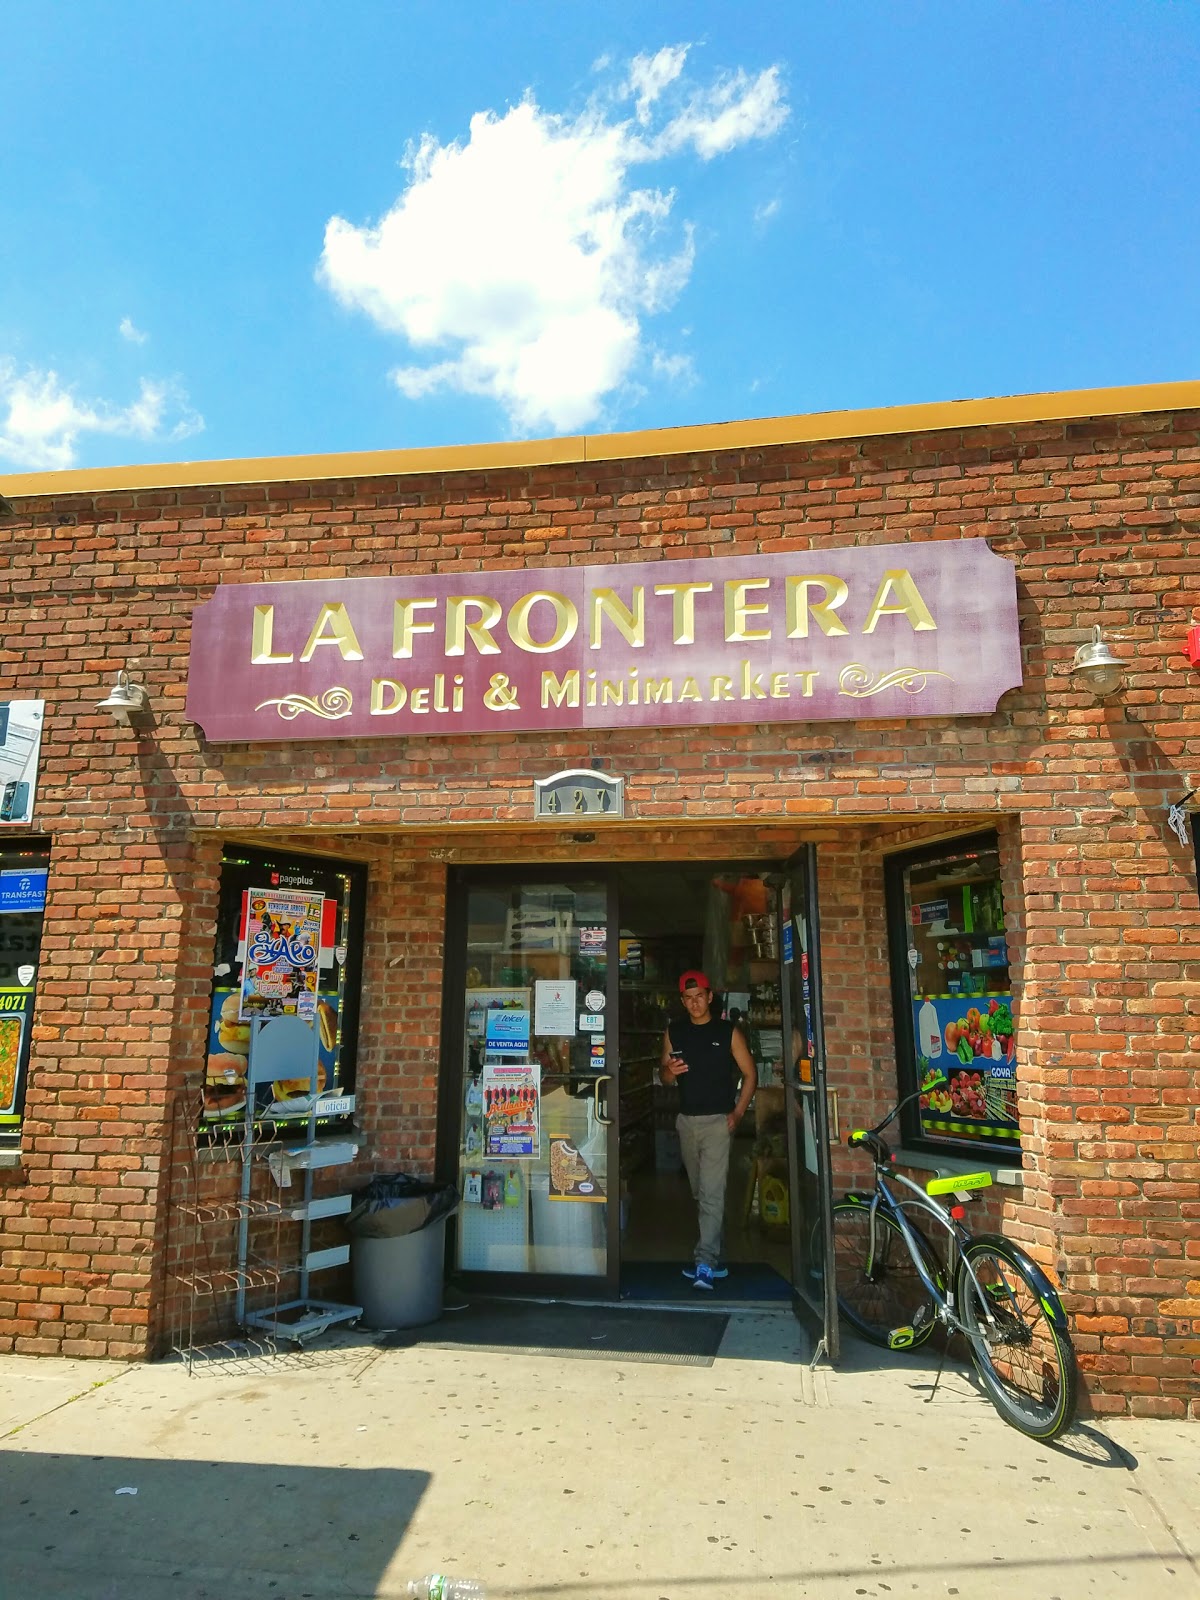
(894, 1290)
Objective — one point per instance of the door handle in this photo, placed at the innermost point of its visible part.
(596, 1082)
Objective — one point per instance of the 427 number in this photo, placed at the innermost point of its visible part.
(577, 801)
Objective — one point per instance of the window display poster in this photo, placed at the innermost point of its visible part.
(512, 1110)
(23, 891)
(570, 1176)
(506, 1027)
(554, 1006)
(16, 1010)
(284, 1099)
(283, 951)
(480, 1002)
(930, 911)
(20, 746)
(329, 951)
(966, 1066)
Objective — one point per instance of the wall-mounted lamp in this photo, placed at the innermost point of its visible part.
(1096, 668)
(123, 698)
(1191, 648)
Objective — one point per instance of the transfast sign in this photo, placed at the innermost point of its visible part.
(912, 630)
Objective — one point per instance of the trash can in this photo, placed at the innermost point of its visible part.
(397, 1230)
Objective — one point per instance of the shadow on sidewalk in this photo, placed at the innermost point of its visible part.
(207, 1530)
(956, 1384)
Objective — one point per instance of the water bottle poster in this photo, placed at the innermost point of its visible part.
(283, 951)
(512, 1110)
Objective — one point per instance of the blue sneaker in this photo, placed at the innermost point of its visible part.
(703, 1277)
(713, 1272)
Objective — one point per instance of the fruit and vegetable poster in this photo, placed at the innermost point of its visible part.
(512, 1110)
(16, 1010)
(966, 1066)
(283, 949)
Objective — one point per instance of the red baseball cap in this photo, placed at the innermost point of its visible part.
(694, 980)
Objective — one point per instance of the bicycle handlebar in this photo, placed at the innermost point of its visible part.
(871, 1141)
(869, 1138)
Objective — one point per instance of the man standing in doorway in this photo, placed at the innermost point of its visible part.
(701, 1056)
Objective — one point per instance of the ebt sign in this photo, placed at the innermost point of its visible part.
(908, 630)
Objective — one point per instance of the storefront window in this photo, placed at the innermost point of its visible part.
(952, 994)
(269, 877)
(24, 872)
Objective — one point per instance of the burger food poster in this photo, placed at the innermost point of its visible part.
(966, 1065)
(228, 1054)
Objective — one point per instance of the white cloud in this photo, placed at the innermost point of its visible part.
(522, 262)
(42, 419)
(128, 331)
(735, 109)
(764, 213)
(650, 75)
(680, 369)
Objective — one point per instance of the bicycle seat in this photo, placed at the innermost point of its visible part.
(878, 1147)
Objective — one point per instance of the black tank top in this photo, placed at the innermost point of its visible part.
(706, 1089)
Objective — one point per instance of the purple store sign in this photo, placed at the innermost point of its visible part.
(911, 630)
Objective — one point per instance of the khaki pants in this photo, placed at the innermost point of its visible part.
(704, 1143)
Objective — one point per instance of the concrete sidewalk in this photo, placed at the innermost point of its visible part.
(346, 1469)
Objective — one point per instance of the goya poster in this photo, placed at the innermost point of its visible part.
(966, 1066)
(283, 949)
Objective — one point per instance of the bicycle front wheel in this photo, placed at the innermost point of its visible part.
(880, 1292)
(1026, 1363)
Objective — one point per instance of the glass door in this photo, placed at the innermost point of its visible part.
(808, 1119)
(532, 1069)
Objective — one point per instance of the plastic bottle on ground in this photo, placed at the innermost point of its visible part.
(437, 1586)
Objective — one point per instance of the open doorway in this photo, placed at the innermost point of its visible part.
(720, 919)
(552, 1120)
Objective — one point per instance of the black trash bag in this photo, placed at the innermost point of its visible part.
(395, 1203)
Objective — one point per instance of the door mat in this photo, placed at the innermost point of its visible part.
(664, 1280)
(588, 1333)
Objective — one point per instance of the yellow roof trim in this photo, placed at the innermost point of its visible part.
(706, 438)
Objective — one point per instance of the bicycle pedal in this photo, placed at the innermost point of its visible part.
(901, 1338)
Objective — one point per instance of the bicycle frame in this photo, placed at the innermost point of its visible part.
(943, 1294)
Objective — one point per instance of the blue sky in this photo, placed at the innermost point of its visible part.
(240, 229)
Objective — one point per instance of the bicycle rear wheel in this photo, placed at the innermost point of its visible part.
(883, 1298)
(1026, 1363)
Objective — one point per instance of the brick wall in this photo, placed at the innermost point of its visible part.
(1100, 519)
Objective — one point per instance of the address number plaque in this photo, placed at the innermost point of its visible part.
(583, 793)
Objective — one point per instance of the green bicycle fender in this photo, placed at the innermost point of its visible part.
(1046, 1292)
